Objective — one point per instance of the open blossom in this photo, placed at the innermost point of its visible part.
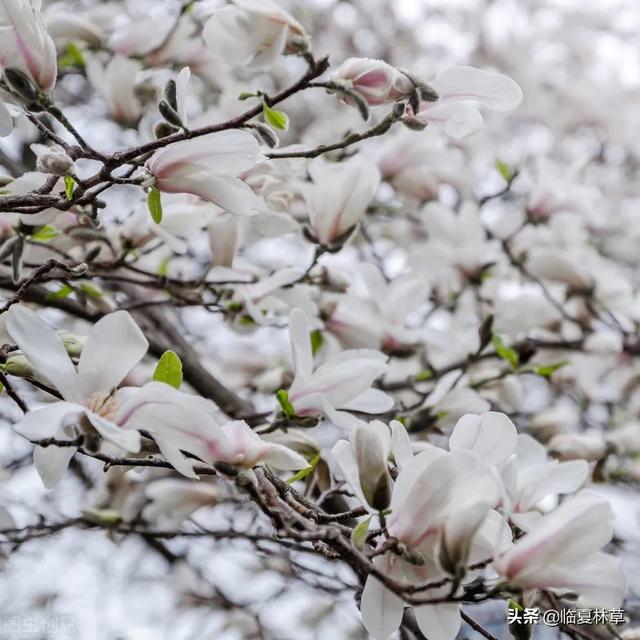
(180, 422)
(207, 166)
(342, 382)
(375, 80)
(339, 196)
(114, 346)
(116, 83)
(562, 553)
(459, 89)
(253, 33)
(25, 44)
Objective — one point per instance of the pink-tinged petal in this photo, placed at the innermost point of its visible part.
(114, 346)
(493, 90)
(47, 421)
(381, 609)
(44, 349)
(51, 463)
(458, 120)
(126, 439)
(492, 436)
(441, 621)
(229, 193)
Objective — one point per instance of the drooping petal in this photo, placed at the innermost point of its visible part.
(47, 421)
(51, 463)
(381, 609)
(114, 346)
(44, 349)
(493, 90)
(441, 621)
(458, 120)
(126, 439)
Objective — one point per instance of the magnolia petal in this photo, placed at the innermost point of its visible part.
(380, 608)
(492, 436)
(114, 346)
(126, 439)
(300, 344)
(371, 401)
(51, 463)
(6, 121)
(44, 349)
(441, 621)
(400, 444)
(47, 421)
(493, 90)
(456, 119)
(6, 519)
(281, 457)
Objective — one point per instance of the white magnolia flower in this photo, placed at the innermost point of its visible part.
(253, 33)
(116, 83)
(562, 553)
(459, 89)
(180, 422)
(25, 44)
(90, 399)
(339, 196)
(342, 382)
(375, 80)
(206, 166)
(174, 500)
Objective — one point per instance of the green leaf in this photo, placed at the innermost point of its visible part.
(44, 234)
(360, 532)
(504, 352)
(547, 370)
(91, 290)
(317, 339)
(63, 292)
(155, 205)
(277, 119)
(72, 57)
(303, 473)
(426, 374)
(169, 369)
(69, 186)
(163, 267)
(504, 171)
(245, 95)
(287, 408)
(514, 605)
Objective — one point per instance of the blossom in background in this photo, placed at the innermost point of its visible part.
(253, 33)
(206, 166)
(116, 83)
(339, 196)
(113, 347)
(25, 44)
(562, 553)
(342, 382)
(458, 89)
(375, 80)
(173, 500)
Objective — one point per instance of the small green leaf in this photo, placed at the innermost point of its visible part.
(69, 186)
(155, 205)
(504, 171)
(63, 292)
(514, 605)
(44, 234)
(102, 517)
(504, 352)
(360, 532)
(169, 369)
(277, 119)
(317, 339)
(163, 267)
(287, 408)
(303, 473)
(91, 290)
(245, 95)
(426, 374)
(547, 370)
(72, 57)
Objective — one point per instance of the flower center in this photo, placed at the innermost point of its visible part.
(103, 404)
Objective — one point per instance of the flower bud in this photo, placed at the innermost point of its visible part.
(54, 161)
(18, 365)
